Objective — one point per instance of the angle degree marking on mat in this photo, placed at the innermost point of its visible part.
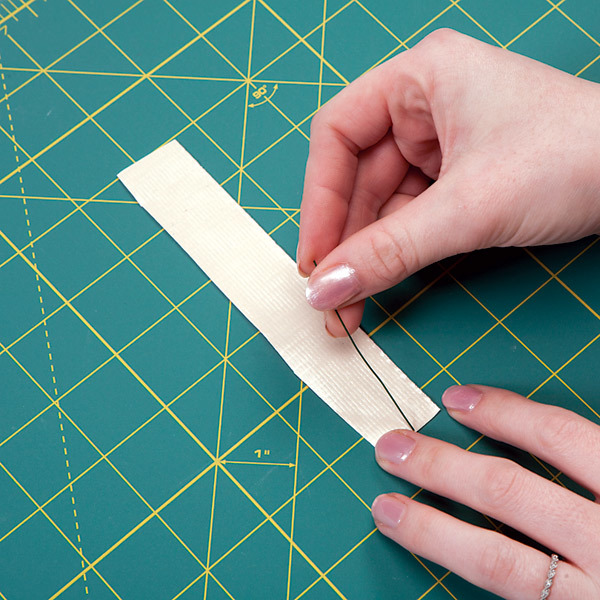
(261, 92)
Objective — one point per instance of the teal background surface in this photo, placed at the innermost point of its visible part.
(152, 444)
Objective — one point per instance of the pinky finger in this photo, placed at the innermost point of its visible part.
(486, 558)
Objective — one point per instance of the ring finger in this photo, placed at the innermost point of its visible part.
(485, 558)
(543, 510)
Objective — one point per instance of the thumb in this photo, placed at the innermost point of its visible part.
(432, 226)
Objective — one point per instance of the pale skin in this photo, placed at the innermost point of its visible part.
(512, 146)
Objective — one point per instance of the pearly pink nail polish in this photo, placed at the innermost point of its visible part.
(394, 447)
(388, 511)
(331, 288)
(461, 397)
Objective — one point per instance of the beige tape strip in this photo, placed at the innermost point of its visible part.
(262, 281)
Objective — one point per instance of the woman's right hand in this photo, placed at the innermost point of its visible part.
(512, 144)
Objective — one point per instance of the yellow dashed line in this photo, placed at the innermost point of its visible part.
(41, 298)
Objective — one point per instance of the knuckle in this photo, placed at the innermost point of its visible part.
(498, 563)
(440, 38)
(390, 256)
(503, 484)
(557, 431)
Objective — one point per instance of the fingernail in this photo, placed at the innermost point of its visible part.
(461, 397)
(326, 319)
(332, 287)
(394, 447)
(388, 511)
(300, 271)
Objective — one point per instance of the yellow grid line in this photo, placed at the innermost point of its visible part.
(13, 14)
(48, 349)
(155, 513)
(69, 486)
(60, 531)
(121, 94)
(219, 427)
(556, 5)
(532, 25)
(126, 346)
(240, 440)
(57, 60)
(295, 489)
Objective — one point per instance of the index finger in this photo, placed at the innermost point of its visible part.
(354, 120)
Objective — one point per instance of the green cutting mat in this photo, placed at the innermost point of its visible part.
(152, 444)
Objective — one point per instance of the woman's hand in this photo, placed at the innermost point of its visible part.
(557, 518)
(513, 145)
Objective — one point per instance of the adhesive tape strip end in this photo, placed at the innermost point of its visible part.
(262, 281)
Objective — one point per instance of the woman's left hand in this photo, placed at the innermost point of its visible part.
(557, 518)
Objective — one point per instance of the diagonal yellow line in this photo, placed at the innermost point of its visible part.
(10, 37)
(120, 95)
(292, 499)
(412, 337)
(415, 297)
(74, 48)
(593, 61)
(107, 345)
(509, 331)
(295, 431)
(103, 456)
(302, 40)
(276, 525)
(381, 23)
(561, 282)
(592, 341)
(66, 198)
(295, 488)
(566, 16)
(473, 20)
(408, 39)
(130, 533)
(219, 431)
(532, 25)
(60, 531)
(75, 296)
(12, 14)
(499, 321)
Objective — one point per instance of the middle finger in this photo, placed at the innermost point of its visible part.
(546, 512)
